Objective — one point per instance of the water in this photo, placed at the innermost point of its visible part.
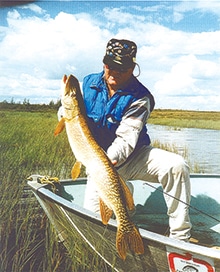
(203, 145)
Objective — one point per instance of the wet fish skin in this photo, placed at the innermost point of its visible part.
(113, 192)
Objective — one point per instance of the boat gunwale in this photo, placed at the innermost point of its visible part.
(42, 189)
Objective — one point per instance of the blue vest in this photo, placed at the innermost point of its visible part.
(104, 114)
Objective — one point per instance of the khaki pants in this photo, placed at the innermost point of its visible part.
(157, 165)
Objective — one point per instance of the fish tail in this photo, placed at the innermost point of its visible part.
(129, 240)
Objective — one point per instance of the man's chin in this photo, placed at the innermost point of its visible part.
(113, 81)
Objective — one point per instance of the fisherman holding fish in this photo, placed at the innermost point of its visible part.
(118, 106)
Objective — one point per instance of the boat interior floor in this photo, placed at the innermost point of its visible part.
(203, 230)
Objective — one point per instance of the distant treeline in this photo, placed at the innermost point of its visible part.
(27, 106)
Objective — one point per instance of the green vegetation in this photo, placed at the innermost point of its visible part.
(27, 106)
(28, 146)
(174, 118)
(187, 119)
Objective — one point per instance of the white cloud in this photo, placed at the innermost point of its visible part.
(205, 103)
(34, 7)
(37, 50)
(199, 5)
(13, 15)
(119, 16)
(185, 76)
(179, 80)
(177, 16)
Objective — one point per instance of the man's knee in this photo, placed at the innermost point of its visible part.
(181, 168)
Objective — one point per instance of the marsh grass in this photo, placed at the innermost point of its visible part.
(194, 166)
(27, 240)
(28, 146)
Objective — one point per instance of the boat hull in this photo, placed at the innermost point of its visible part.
(73, 223)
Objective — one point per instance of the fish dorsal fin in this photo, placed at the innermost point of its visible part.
(128, 195)
(60, 126)
(105, 212)
(76, 170)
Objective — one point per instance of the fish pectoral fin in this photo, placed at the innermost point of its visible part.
(60, 126)
(129, 240)
(128, 196)
(76, 170)
(105, 212)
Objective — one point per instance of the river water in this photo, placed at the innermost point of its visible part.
(202, 145)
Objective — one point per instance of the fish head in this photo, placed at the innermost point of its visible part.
(71, 99)
(71, 85)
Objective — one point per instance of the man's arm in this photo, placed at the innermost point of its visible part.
(128, 132)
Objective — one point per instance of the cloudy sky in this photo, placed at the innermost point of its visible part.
(178, 47)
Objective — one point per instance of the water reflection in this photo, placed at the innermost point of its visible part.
(203, 145)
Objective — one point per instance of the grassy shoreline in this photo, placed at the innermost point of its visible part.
(185, 118)
(164, 117)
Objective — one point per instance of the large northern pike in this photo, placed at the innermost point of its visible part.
(113, 193)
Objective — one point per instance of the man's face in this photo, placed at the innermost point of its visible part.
(115, 78)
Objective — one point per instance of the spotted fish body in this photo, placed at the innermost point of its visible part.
(113, 193)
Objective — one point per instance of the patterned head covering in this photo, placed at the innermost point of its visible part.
(120, 54)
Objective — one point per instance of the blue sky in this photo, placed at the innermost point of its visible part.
(178, 47)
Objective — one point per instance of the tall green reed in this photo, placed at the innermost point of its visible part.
(27, 146)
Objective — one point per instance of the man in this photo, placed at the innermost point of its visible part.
(118, 107)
